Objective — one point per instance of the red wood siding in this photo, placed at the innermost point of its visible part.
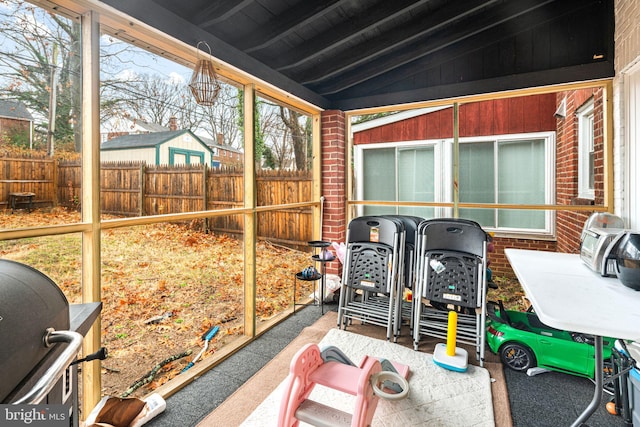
(496, 117)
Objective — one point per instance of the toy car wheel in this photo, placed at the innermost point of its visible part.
(517, 356)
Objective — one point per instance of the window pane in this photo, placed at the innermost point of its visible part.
(592, 175)
(416, 179)
(40, 70)
(477, 180)
(378, 174)
(586, 171)
(590, 152)
(58, 257)
(276, 269)
(521, 180)
(283, 138)
(284, 155)
(159, 148)
(163, 286)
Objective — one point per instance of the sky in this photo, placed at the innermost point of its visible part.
(139, 61)
(127, 61)
(134, 60)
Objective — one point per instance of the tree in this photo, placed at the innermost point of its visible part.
(282, 135)
(40, 50)
(258, 129)
(278, 153)
(40, 65)
(155, 99)
(222, 118)
(300, 135)
(152, 99)
(367, 117)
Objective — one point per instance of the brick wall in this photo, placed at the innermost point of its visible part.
(9, 127)
(627, 55)
(627, 34)
(498, 261)
(569, 224)
(333, 142)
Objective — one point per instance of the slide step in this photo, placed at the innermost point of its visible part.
(337, 376)
(320, 415)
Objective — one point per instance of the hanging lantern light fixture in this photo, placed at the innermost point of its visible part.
(204, 83)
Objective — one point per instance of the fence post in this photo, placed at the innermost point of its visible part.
(142, 188)
(205, 222)
(56, 165)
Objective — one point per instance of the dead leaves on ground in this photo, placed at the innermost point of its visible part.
(156, 269)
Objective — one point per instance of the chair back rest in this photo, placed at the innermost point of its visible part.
(374, 229)
(452, 261)
(452, 234)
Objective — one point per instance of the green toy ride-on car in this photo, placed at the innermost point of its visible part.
(522, 341)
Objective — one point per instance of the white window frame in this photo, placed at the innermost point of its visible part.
(628, 191)
(443, 152)
(585, 116)
(550, 177)
(441, 180)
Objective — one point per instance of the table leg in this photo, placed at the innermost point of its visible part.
(322, 286)
(597, 394)
(295, 282)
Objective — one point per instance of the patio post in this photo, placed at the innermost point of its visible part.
(333, 142)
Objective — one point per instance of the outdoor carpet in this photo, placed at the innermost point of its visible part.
(437, 397)
(240, 406)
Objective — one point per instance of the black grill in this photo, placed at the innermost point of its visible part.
(40, 336)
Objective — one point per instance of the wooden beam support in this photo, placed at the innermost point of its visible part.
(456, 160)
(91, 380)
(250, 218)
(316, 165)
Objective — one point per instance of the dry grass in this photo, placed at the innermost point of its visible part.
(185, 281)
(510, 292)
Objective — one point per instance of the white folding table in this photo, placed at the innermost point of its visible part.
(567, 295)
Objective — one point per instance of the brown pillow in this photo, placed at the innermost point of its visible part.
(120, 412)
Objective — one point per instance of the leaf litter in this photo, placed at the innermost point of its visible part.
(163, 287)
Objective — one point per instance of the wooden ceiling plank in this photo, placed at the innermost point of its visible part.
(355, 27)
(386, 44)
(476, 35)
(219, 11)
(282, 26)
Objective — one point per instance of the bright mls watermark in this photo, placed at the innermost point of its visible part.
(34, 415)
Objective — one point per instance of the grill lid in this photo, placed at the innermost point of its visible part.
(30, 302)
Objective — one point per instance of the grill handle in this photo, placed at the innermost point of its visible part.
(57, 368)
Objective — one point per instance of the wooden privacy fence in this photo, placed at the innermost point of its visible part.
(28, 175)
(135, 189)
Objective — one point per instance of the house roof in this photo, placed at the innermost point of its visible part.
(213, 144)
(145, 140)
(151, 127)
(15, 110)
(354, 54)
(395, 117)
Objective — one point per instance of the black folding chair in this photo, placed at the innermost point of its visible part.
(372, 268)
(408, 279)
(451, 275)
